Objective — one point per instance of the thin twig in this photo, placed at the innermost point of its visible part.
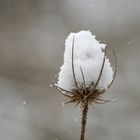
(115, 72)
(72, 100)
(104, 100)
(78, 102)
(101, 71)
(73, 71)
(83, 79)
(62, 89)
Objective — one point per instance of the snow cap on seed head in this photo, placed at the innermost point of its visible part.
(89, 55)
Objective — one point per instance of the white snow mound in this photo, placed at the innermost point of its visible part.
(89, 56)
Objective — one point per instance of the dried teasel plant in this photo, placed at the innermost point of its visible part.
(83, 93)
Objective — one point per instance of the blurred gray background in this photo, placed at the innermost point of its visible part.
(32, 36)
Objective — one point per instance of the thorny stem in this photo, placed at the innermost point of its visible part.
(87, 97)
(84, 120)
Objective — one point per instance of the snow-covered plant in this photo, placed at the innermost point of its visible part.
(86, 73)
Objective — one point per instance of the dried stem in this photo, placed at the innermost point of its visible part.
(84, 120)
(73, 69)
(115, 72)
(87, 95)
(100, 74)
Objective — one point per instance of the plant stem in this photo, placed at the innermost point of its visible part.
(84, 120)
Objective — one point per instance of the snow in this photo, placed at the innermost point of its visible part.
(51, 85)
(89, 55)
(24, 102)
(63, 104)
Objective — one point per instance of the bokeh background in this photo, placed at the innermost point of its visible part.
(32, 36)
